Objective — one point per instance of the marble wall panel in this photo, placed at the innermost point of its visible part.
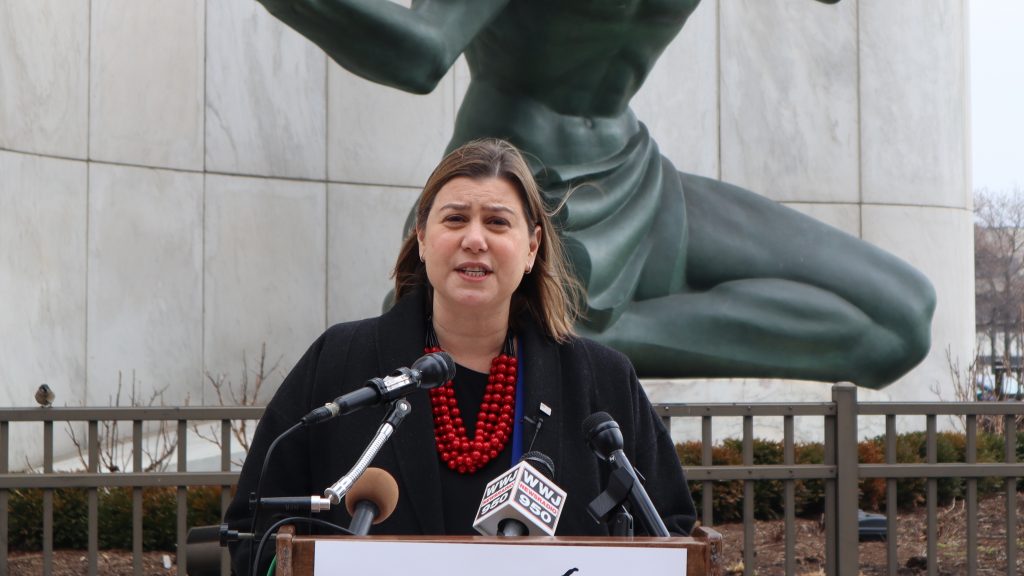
(265, 274)
(265, 95)
(460, 79)
(146, 83)
(42, 277)
(845, 217)
(145, 283)
(679, 100)
(42, 288)
(363, 237)
(914, 102)
(44, 48)
(939, 243)
(380, 135)
(789, 99)
(751, 390)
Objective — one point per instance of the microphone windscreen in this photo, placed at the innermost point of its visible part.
(602, 434)
(540, 461)
(377, 486)
(435, 369)
(591, 423)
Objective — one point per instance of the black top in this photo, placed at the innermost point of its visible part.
(461, 493)
(575, 379)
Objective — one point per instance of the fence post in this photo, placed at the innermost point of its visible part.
(847, 538)
(4, 498)
(225, 491)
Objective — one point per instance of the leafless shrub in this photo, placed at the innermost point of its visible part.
(999, 279)
(967, 387)
(247, 393)
(964, 381)
(114, 453)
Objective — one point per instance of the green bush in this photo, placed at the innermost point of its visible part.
(25, 520)
(990, 449)
(950, 447)
(114, 520)
(71, 517)
(810, 494)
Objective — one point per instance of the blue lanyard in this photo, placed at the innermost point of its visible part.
(517, 429)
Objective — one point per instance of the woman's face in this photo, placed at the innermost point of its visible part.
(477, 245)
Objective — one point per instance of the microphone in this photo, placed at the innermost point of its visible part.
(296, 504)
(605, 438)
(523, 501)
(371, 500)
(428, 372)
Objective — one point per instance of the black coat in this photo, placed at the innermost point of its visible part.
(575, 379)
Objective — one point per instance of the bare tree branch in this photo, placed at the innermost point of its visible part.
(246, 393)
(999, 279)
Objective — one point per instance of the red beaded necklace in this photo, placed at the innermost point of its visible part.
(493, 422)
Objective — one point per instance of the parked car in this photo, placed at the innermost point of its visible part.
(871, 526)
(985, 384)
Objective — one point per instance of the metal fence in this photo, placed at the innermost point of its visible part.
(93, 480)
(840, 472)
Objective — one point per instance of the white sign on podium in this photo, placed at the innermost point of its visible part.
(345, 557)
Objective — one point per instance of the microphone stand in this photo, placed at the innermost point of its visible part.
(621, 522)
(397, 411)
(610, 506)
(624, 483)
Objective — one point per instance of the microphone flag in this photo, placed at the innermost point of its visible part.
(524, 494)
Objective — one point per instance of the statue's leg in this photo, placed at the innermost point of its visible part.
(773, 293)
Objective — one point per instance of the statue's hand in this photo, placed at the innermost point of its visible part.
(409, 48)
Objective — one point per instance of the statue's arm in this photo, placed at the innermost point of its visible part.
(406, 48)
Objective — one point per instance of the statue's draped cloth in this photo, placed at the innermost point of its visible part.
(624, 226)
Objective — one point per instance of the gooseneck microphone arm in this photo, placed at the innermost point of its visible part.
(427, 372)
(605, 438)
(396, 413)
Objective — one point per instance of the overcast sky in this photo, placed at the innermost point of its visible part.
(997, 93)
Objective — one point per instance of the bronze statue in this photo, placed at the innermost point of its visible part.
(689, 276)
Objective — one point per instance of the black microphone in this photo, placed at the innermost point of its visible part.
(523, 501)
(296, 504)
(605, 438)
(428, 372)
(371, 500)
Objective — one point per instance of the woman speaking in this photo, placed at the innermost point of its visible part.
(483, 278)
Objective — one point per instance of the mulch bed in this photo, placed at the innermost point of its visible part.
(912, 545)
(75, 562)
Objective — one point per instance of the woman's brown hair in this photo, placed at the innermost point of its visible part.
(550, 293)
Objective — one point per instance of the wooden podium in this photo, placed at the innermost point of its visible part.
(296, 554)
